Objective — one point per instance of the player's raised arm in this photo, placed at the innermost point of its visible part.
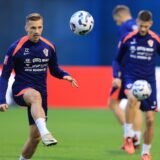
(116, 65)
(117, 62)
(57, 72)
(6, 72)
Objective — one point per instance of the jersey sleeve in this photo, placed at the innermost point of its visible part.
(158, 46)
(6, 72)
(117, 62)
(158, 49)
(55, 70)
(121, 32)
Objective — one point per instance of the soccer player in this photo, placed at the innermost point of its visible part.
(136, 58)
(123, 18)
(30, 57)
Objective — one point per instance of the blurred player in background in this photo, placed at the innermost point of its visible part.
(136, 58)
(30, 57)
(123, 18)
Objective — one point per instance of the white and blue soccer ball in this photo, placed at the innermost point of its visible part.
(81, 22)
(141, 89)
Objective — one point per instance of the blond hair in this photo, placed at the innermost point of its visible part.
(33, 17)
(121, 8)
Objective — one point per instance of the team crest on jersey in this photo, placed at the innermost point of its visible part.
(150, 42)
(45, 51)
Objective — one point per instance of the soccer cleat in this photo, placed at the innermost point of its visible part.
(146, 157)
(136, 143)
(128, 145)
(49, 140)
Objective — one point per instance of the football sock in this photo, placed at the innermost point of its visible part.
(146, 149)
(22, 158)
(138, 135)
(128, 131)
(41, 125)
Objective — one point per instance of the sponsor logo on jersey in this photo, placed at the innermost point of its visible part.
(150, 42)
(133, 49)
(134, 41)
(45, 51)
(27, 60)
(26, 51)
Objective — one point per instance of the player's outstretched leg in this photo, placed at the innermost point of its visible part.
(33, 98)
(148, 135)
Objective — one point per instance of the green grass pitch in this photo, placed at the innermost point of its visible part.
(82, 135)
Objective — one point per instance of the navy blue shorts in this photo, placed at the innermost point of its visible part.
(118, 93)
(20, 101)
(149, 104)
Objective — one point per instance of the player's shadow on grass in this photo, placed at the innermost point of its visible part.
(56, 158)
(116, 152)
(119, 152)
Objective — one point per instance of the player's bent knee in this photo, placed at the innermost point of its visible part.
(36, 96)
(32, 95)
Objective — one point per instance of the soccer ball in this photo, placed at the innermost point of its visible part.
(81, 22)
(141, 89)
